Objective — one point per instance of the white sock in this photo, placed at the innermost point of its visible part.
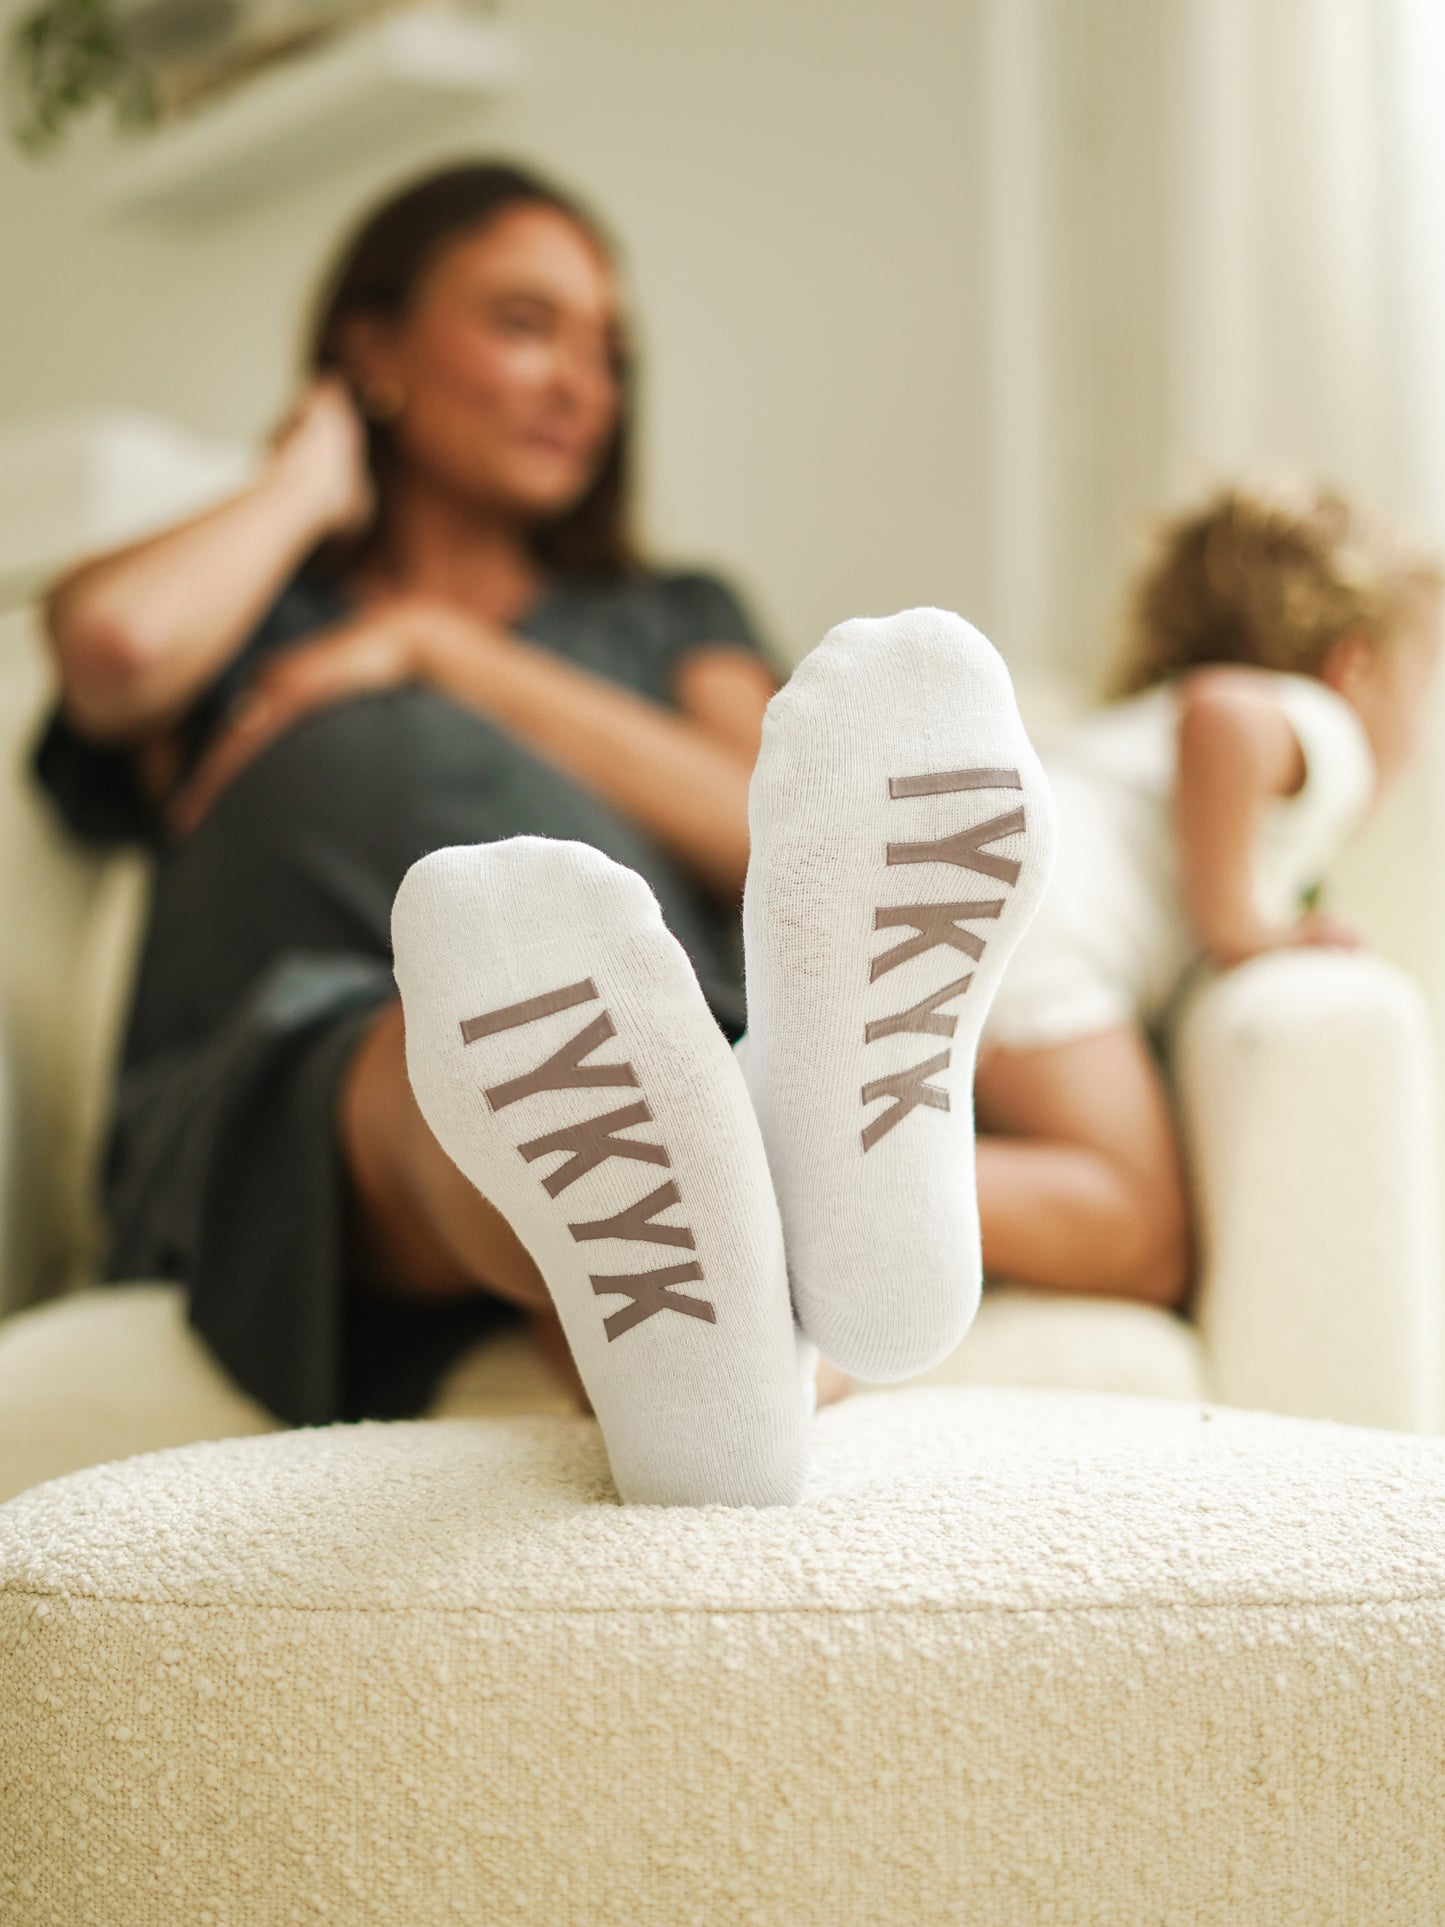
(872, 959)
(561, 1051)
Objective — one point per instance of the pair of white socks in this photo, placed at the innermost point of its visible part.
(703, 1224)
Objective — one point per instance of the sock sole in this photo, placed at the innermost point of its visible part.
(561, 1051)
(902, 834)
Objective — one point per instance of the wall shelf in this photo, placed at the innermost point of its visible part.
(390, 76)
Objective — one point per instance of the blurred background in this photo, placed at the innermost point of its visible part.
(940, 300)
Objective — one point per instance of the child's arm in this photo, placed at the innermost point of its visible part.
(1237, 753)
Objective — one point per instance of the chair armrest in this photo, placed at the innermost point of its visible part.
(107, 1373)
(17, 1235)
(1306, 1084)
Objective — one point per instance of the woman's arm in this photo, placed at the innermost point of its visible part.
(139, 633)
(1237, 753)
(725, 689)
(681, 777)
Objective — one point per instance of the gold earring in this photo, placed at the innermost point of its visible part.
(383, 401)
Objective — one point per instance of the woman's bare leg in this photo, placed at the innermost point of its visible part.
(1079, 1179)
(423, 1230)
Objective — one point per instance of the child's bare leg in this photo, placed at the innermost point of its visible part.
(1080, 1185)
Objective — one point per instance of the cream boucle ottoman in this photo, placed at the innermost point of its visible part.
(1021, 1657)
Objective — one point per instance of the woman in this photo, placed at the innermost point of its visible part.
(428, 630)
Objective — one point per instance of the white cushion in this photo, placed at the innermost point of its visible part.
(118, 1370)
(1073, 1343)
(113, 1371)
(106, 1373)
(1019, 1657)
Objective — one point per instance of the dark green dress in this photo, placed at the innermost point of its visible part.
(267, 951)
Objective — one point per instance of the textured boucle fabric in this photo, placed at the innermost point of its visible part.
(1019, 1657)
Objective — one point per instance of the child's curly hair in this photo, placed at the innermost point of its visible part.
(1271, 575)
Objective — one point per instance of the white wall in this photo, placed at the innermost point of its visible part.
(797, 189)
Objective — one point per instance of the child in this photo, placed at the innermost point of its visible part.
(1283, 642)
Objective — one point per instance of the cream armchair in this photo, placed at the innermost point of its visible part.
(1305, 1093)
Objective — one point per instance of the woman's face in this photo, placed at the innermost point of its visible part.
(508, 358)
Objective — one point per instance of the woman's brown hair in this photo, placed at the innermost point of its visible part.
(377, 272)
(1270, 575)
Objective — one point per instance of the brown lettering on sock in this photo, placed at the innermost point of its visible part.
(921, 1017)
(651, 1292)
(966, 848)
(528, 1011)
(636, 1222)
(564, 1069)
(936, 923)
(945, 782)
(591, 1143)
(907, 1091)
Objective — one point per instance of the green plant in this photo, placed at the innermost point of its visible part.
(64, 58)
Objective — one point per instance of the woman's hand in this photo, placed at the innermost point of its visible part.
(140, 632)
(391, 643)
(320, 445)
(1317, 930)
